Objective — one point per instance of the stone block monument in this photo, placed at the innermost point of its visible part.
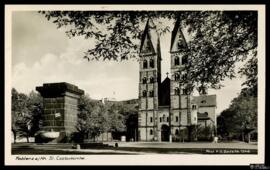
(60, 101)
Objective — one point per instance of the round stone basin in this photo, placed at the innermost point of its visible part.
(51, 135)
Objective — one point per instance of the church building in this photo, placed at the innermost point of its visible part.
(167, 112)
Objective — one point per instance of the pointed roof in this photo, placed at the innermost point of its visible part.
(150, 38)
(177, 35)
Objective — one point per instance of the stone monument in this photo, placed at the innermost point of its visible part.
(60, 101)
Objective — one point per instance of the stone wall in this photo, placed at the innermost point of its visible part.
(60, 111)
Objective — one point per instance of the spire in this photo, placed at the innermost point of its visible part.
(150, 39)
(178, 40)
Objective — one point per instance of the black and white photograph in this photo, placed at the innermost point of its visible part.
(142, 84)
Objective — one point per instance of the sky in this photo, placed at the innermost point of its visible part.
(41, 53)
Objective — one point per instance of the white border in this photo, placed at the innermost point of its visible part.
(141, 159)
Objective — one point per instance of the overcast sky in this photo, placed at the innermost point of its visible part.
(41, 53)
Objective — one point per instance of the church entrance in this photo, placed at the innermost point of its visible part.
(165, 133)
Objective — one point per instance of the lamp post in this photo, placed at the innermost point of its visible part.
(215, 130)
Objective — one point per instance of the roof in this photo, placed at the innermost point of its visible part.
(164, 92)
(57, 89)
(203, 116)
(205, 100)
(177, 35)
(150, 38)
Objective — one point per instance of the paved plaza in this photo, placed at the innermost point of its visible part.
(229, 145)
(135, 148)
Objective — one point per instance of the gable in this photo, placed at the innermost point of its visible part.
(147, 46)
(178, 41)
(150, 39)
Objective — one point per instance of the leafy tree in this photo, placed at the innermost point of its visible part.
(88, 117)
(130, 112)
(250, 71)
(17, 108)
(205, 132)
(35, 107)
(26, 114)
(123, 118)
(20, 115)
(219, 39)
(221, 126)
(240, 118)
(116, 118)
(96, 117)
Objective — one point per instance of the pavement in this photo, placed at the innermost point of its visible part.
(134, 148)
(227, 145)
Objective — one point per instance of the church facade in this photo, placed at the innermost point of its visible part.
(166, 110)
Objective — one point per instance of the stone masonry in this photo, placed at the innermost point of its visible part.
(60, 102)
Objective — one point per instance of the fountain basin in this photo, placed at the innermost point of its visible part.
(50, 135)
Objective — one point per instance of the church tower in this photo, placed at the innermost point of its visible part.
(150, 78)
(180, 100)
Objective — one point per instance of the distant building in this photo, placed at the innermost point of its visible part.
(166, 111)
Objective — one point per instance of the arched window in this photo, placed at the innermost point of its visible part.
(151, 132)
(151, 119)
(144, 80)
(194, 107)
(184, 76)
(144, 93)
(184, 60)
(176, 61)
(176, 91)
(185, 91)
(144, 63)
(180, 44)
(203, 101)
(160, 119)
(151, 94)
(176, 119)
(151, 63)
(177, 76)
(176, 132)
(151, 79)
(167, 119)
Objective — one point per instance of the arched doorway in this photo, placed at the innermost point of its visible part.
(165, 133)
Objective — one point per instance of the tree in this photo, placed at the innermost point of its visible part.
(241, 117)
(20, 115)
(205, 132)
(219, 39)
(26, 114)
(35, 107)
(16, 110)
(117, 117)
(250, 71)
(221, 126)
(89, 117)
(130, 112)
(124, 118)
(96, 117)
